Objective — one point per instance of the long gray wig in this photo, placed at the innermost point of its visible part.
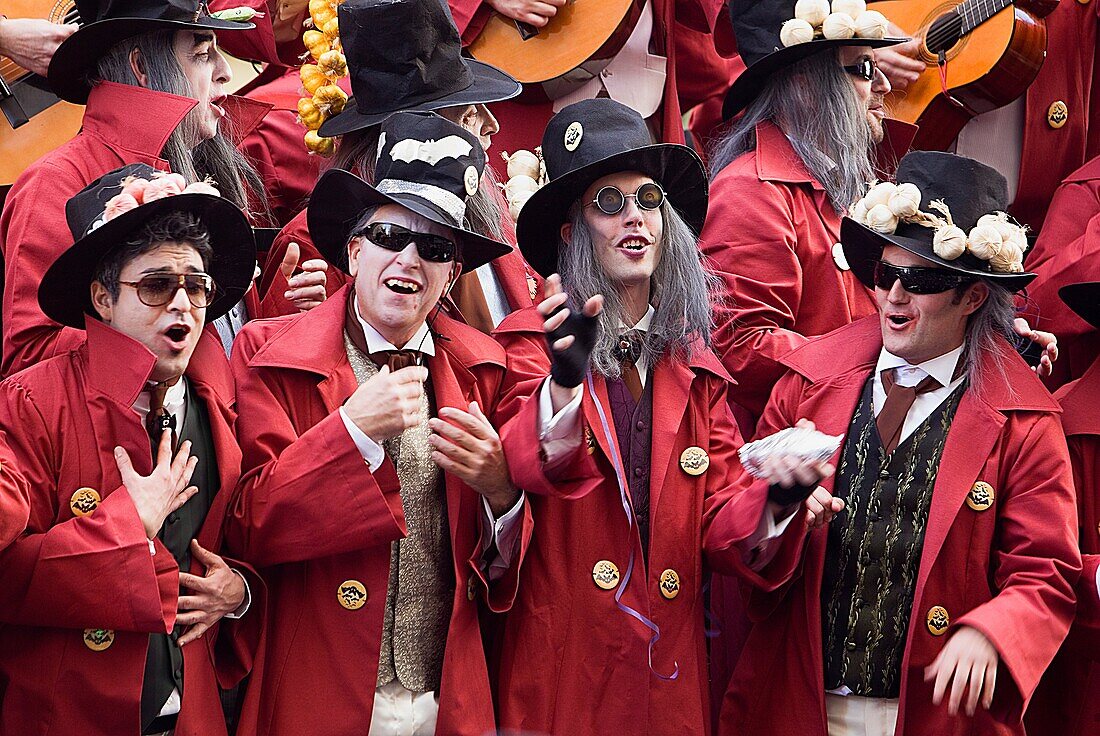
(683, 293)
(982, 358)
(815, 105)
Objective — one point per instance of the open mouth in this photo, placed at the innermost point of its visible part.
(177, 336)
(402, 286)
(216, 103)
(899, 320)
(633, 244)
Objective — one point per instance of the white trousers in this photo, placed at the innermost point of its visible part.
(851, 715)
(399, 711)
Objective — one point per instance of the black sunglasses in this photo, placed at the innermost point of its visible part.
(917, 279)
(434, 248)
(611, 200)
(157, 289)
(865, 68)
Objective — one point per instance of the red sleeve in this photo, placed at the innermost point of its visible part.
(469, 17)
(285, 510)
(234, 649)
(14, 497)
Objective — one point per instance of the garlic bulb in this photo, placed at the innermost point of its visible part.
(858, 212)
(871, 24)
(1009, 255)
(515, 204)
(882, 220)
(880, 194)
(851, 8)
(985, 241)
(522, 163)
(839, 26)
(813, 12)
(795, 31)
(949, 242)
(905, 202)
(518, 184)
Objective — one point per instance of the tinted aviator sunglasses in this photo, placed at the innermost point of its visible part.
(918, 279)
(157, 289)
(611, 200)
(865, 68)
(435, 248)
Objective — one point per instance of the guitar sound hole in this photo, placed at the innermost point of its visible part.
(944, 33)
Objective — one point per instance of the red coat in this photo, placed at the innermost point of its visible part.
(592, 674)
(33, 229)
(67, 574)
(1067, 702)
(312, 515)
(14, 497)
(1008, 571)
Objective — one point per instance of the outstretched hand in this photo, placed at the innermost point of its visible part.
(571, 336)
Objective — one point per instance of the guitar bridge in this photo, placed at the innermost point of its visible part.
(24, 99)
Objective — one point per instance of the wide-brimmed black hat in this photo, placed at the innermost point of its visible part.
(587, 141)
(64, 293)
(1084, 300)
(106, 22)
(426, 164)
(969, 188)
(756, 26)
(406, 56)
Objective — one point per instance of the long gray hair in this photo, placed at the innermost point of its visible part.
(983, 358)
(217, 157)
(683, 293)
(815, 105)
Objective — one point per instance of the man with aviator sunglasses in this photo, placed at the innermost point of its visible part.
(375, 492)
(127, 447)
(941, 558)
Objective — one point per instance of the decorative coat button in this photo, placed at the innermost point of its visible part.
(670, 584)
(471, 588)
(839, 259)
(980, 497)
(98, 639)
(84, 501)
(1057, 114)
(1083, 2)
(589, 440)
(694, 461)
(352, 595)
(937, 620)
(605, 574)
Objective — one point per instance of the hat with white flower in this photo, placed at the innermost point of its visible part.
(945, 208)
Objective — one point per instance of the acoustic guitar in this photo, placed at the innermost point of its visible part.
(36, 121)
(988, 50)
(580, 32)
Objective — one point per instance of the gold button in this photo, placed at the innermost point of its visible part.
(1083, 2)
(532, 287)
(589, 440)
(605, 574)
(84, 501)
(980, 497)
(938, 620)
(694, 461)
(352, 595)
(471, 589)
(1057, 114)
(670, 584)
(838, 257)
(98, 639)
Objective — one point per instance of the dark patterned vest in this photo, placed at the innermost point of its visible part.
(634, 429)
(164, 663)
(874, 548)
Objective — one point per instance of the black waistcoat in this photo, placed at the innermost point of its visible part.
(874, 548)
(164, 663)
(634, 429)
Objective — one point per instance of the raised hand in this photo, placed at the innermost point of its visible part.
(466, 445)
(165, 489)
(1046, 340)
(218, 592)
(389, 403)
(570, 336)
(305, 290)
(901, 64)
(968, 662)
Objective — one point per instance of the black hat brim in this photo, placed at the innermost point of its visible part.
(340, 199)
(78, 55)
(1084, 300)
(863, 248)
(490, 85)
(676, 168)
(65, 295)
(751, 82)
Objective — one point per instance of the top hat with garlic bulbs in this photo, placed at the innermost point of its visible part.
(774, 34)
(947, 209)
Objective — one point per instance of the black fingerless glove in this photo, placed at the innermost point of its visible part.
(783, 497)
(568, 366)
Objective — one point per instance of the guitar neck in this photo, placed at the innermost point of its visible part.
(975, 12)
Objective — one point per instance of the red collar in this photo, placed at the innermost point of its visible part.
(776, 159)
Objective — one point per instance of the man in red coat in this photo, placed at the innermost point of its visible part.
(611, 601)
(157, 97)
(935, 601)
(1067, 702)
(375, 489)
(112, 598)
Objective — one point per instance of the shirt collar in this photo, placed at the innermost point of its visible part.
(173, 397)
(643, 323)
(421, 341)
(941, 368)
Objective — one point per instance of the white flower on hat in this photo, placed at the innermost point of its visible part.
(949, 242)
(882, 220)
(905, 201)
(839, 26)
(850, 8)
(871, 24)
(796, 31)
(813, 12)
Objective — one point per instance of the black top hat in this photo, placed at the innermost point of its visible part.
(426, 164)
(586, 141)
(405, 55)
(1084, 300)
(64, 293)
(106, 22)
(970, 190)
(756, 26)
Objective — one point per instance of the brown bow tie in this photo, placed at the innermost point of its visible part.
(396, 359)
